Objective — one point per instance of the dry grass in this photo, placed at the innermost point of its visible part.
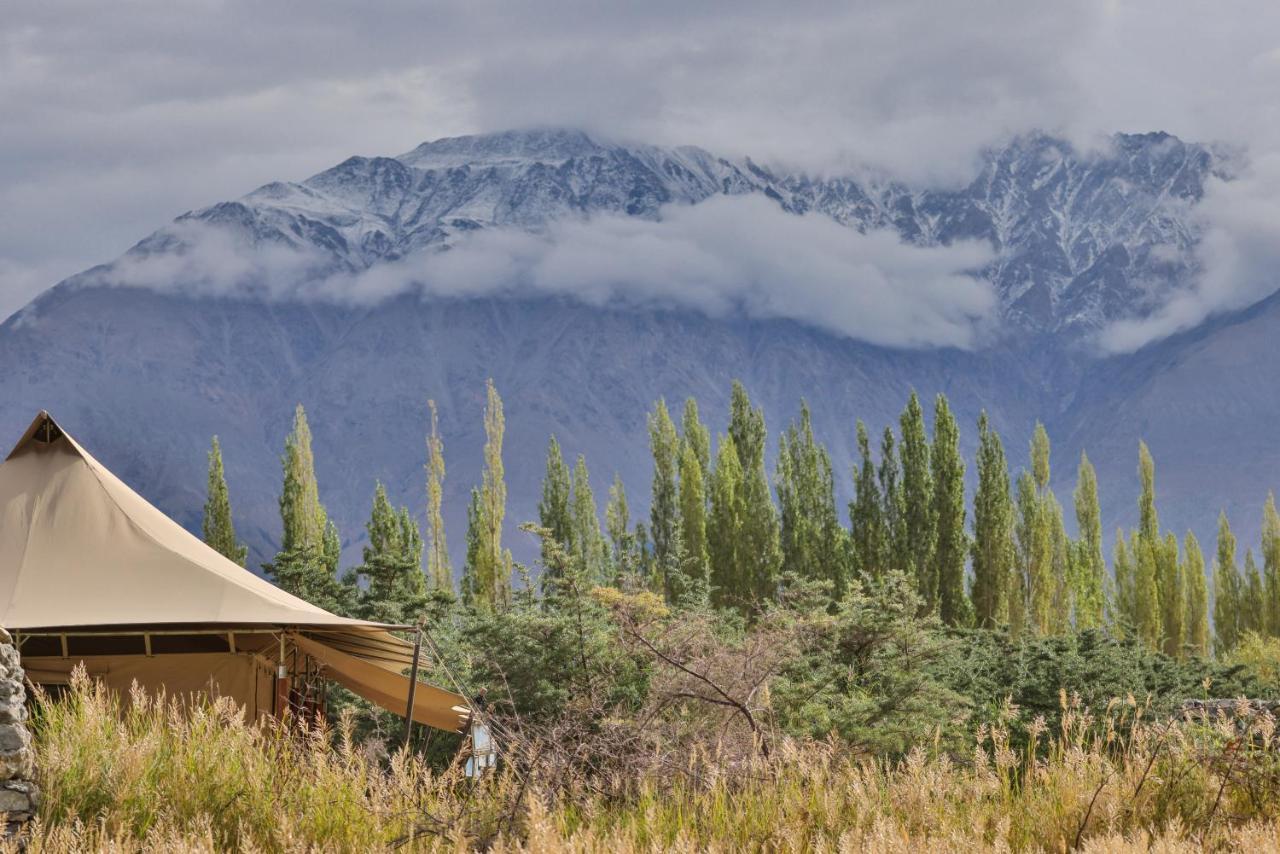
(149, 777)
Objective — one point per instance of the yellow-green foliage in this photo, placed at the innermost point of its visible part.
(1261, 659)
(151, 778)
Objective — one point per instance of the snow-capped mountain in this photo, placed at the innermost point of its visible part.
(1079, 238)
(145, 375)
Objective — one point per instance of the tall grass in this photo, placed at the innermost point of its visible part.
(150, 775)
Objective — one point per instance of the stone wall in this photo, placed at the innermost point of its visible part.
(19, 797)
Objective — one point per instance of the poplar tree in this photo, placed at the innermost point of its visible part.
(813, 544)
(1125, 614)
(553, 508)
(1271, 564)
(1062, 570)
(1148, 521)
(1253, 610)
(695, 434)
(468, 587)
(868, 531)
(993, 550)
(1173, 596)
(1227, 591)
(491, 568)
(952, 543)
(1147, 594)
(617, 520)
(588, 544)
(693, 523)
(1089, 565)
(918, 528)
(306, 564)
(664, 519)
(439, 567)
(1197, 620)
(395, 589)
(219, 530)
(759, 554)
(890, 480)
(729, 586)
(1034, 529)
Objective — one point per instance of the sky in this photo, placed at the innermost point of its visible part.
(119, 116)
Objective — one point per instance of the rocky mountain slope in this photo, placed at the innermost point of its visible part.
(145, 375)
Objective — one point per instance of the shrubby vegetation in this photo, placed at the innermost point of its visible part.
(748, 664)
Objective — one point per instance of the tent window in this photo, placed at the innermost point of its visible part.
(33, 645)
(105, 645)
(161, 644)
(48, 432)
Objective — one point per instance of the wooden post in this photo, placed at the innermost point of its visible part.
(413, 687)
(280, 703)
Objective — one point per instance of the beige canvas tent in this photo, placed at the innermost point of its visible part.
(91, 573)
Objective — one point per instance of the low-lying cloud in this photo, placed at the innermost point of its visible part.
(724, 257)
(1236, 261)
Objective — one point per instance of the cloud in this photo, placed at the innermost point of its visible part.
(119, 118)
(1237, 260)
(730, 255)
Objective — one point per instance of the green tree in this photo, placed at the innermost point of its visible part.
(439, 568)
(219, 530)
(394, 590)
(554, 514)
(589, 545)
(993, 550)
(951, 545)
(868, 531)
(1173, 596)
(696, 435)
(1125, 614)
(1034, 530)
(759, 553)
(307, 562)
(694, 577)
(1271, 564)
(1197, 620)
(468, 587)
(617, 519)
(1149, 522)
(729, 585)
(1090, 566)
(1253, 611)
(812, 541)
(918, 528)
(664, 510)
(1227, 591)
(491, 570)
(1147, 592)
(895, 556)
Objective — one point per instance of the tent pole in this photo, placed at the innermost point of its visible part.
(413, 685)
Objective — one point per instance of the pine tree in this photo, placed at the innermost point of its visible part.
(1227, 590)
(993, 550)
(617, 518)
(491, 572)
(695, 434)
(1090, 567)
(219, 530)
(1253, 615)
(439, 567)
(951, 542)
(729, 585)
(868, 531)
(553, 509)
(664, 511)
(759, 552)
(395, 590)
(1173, 596)
(307, 563)
(895, 545)
(918, 528)
(589, 545)
(1196, 621)
(1271, 564)
(813, 543)
(694, 575)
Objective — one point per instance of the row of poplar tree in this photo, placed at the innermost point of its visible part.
(716, 535)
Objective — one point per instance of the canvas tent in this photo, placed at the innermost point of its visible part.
(91, 573)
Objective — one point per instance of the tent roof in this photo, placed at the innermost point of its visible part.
(79, 548)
